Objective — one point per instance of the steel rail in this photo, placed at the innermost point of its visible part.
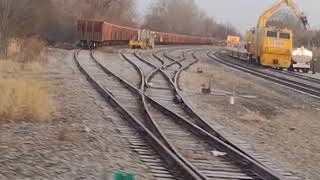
(293, 85)
(286, 73)
(299, 76)
(153, 125)
(202, 124)
(235, 153)
(173, 162)
(157, 130)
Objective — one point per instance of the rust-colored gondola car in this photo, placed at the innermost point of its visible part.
(93, 33)
(177, 39)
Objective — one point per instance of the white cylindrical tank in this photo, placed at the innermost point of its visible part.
(302, 55)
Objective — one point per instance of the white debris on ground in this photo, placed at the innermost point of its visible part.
(218, 153)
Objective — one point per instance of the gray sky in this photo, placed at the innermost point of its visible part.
(243, 14)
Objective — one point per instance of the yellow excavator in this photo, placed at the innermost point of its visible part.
(144, 40)
(233, 41)
(271, 46)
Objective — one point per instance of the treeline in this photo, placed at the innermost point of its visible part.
(22, 18)
(184, 17)
(121, 12)
(285, 19)
(55, 20)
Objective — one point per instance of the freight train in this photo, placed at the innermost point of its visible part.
(93, 33)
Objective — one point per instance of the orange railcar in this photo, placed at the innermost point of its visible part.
(177, 39)
(93, 33)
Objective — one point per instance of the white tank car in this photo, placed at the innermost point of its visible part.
(301, 58)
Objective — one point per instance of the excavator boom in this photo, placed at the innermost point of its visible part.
(294, 8)
(270, 46)
(276, 6)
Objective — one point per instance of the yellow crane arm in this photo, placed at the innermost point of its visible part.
(268, 13)
(294, 8)
(276, 6)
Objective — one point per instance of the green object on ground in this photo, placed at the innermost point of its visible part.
(123, 176)
(118, 176)
(129, 176)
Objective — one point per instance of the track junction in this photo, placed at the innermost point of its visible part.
(170, 137)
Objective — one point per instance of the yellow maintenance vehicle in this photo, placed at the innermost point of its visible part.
(270, 46)
(144, 40)
(233, 41)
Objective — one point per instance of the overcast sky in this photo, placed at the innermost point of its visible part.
(243, 14)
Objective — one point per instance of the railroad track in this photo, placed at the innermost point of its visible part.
(299, 76)
(304, 88)
(230, 139)
(163, 94)
(174, 138)
(119, 93)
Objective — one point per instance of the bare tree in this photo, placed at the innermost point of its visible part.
(5, 7)
(55, 20)
(24, 18)
(184, 17)
(172, 16)
(121, 12)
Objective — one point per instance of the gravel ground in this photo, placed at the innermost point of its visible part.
(278, 122)
(317, 75)
(122, 67)
(80, 141)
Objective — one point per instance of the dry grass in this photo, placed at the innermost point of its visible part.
(32, 50)
(11, 66)
(28, 54)
(24, 99)
(27, 50)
